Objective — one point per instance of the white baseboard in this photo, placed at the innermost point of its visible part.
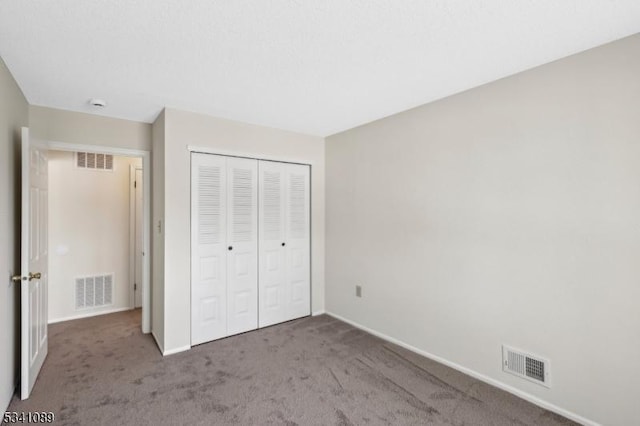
(316, 313)
(170, 351)
(524, 395)
(89, 314)
(176, 350)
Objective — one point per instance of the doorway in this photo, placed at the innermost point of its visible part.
(37, 247)
(86, 161)
(250, 244)
(93, 267)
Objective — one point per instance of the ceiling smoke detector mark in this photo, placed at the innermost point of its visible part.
(525, 365)
(97, 103)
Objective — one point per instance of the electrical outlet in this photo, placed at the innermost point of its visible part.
(358, 291)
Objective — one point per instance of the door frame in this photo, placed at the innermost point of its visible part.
(132, 229)
(146, 217)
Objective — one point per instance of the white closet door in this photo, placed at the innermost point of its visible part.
(273, 276)
(208, 248)
(242, 250)
(298, 241)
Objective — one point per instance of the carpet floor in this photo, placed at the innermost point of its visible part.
(311, 371)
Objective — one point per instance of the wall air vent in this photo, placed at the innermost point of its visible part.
(525, 365)
(94, 161)
(94, 292)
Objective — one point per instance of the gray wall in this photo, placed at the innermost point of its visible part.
(80, 128)
(225, 137)
(14, 113)
(506, 214)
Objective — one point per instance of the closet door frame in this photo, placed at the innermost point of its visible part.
(262, 157)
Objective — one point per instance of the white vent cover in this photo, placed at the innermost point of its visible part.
(93, 292)
(243, 205)
(525, 365)
(209, 205)
(272, 211)
(91, 160)
(297, 207)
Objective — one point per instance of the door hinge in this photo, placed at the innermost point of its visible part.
(135, 286)
(135, 183)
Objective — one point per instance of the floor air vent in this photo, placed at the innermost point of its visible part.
(525, 365)
(93, 292)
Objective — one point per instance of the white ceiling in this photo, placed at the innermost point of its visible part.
(316, 67)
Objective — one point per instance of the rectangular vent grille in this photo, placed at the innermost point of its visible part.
(90, 160)
(92, 292)
(525, 365)
(271, 205)
(243, 216)
(209, 214)
(298, 212)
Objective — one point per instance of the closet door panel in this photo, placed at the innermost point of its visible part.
(242, 249)
(208, 248)
(298, 241)
(273, 290)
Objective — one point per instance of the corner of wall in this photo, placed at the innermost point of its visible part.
(450, 213)
(157, 229)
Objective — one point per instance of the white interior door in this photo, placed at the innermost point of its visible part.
(242, 250)
(139, 242)
(298, 241)
(34, 257)
(208, 248)
(272, 246)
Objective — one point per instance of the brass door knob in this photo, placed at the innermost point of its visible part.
(16, 278)
(35, 276)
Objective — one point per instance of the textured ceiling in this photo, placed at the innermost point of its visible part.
(316, 67)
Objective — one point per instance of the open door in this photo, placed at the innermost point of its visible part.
(34, 258)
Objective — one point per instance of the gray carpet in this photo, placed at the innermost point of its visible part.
(312, 371)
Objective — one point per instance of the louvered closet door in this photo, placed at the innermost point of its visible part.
(242, 250)
(273, 275)
(298, 240)
(208, 248)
